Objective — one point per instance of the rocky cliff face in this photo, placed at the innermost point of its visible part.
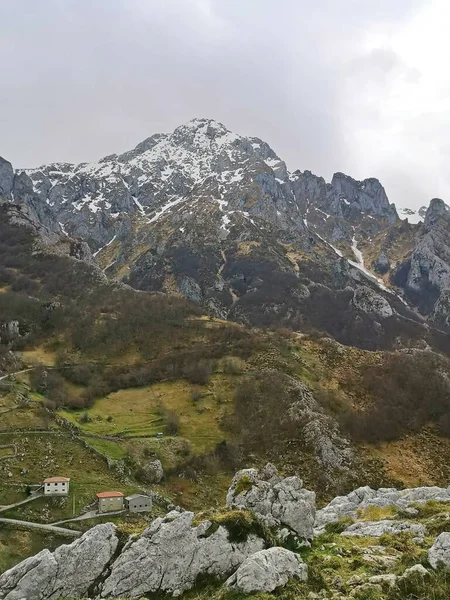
(429, 275)
(218, 218)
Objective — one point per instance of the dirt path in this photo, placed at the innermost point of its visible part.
(29, 499)
(41, 527)
(16, 373)
(31, 432)
(91, 515)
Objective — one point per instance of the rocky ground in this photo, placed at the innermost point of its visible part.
(268, 541)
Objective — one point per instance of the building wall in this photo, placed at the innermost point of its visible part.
(140, 505)
(56, 489)
(110, 504)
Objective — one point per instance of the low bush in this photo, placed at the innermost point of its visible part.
(435, 586)
(171, 422)
(200, 372)
(243, 485)
(338, 526)
(232, 365)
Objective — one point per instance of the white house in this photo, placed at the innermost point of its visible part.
(56, 486)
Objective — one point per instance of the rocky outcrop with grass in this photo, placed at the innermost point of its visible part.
(401, 552)
(439, 553)
(267, 570)
(278, 502)
(379, 528)
(71, 571)
(172, 553)
(364, 497)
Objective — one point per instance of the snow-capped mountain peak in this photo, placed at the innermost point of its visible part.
(201, 159)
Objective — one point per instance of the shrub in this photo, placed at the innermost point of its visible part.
(57, 390)
(431, 508)
(196, 395)
(49, 404)
(408, 391)
(171, 422)
(199, 373)
(243, 485)
(399, 541)
(232, 365)
(261, 411)
(147, 452)
(229, 455)
(338, 526)
(75, 402)
(239, 524)
(435, 586)
(85, 418)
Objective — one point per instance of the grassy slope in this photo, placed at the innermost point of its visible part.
(137, 411)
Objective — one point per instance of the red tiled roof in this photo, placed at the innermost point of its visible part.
(56, 479)
(109, 495)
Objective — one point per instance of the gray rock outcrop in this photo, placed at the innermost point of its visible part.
(414, 571)
(371, 303)
(170, 555)
(428, 270)
(69, 572)
(439, 553)
(379, 528)
(276, 501)
(381, 264)
(347, 506)
(6, 179)
(267, 570)
(369, 196)
(153, 471)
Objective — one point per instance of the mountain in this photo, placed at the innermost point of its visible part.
(221, 359)
(218, 218)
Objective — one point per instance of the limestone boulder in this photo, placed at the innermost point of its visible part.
(379, 528)
(347, 506)
(371, 303)
(276, 501)
(439, 553)
(267, 570)
(170, 555)
(71, 571)
(153, 471)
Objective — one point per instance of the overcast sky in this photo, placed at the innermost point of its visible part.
(360, 86)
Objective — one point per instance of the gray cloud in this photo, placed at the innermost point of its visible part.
(84, 78)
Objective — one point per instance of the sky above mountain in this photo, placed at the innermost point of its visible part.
(352, 86)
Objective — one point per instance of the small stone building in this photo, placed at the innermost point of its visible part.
(138, 503)
(56, 486)
(110, 501)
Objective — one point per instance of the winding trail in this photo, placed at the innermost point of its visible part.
(41, 527)
(29, 499)
(16, 373)
(91, 515)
